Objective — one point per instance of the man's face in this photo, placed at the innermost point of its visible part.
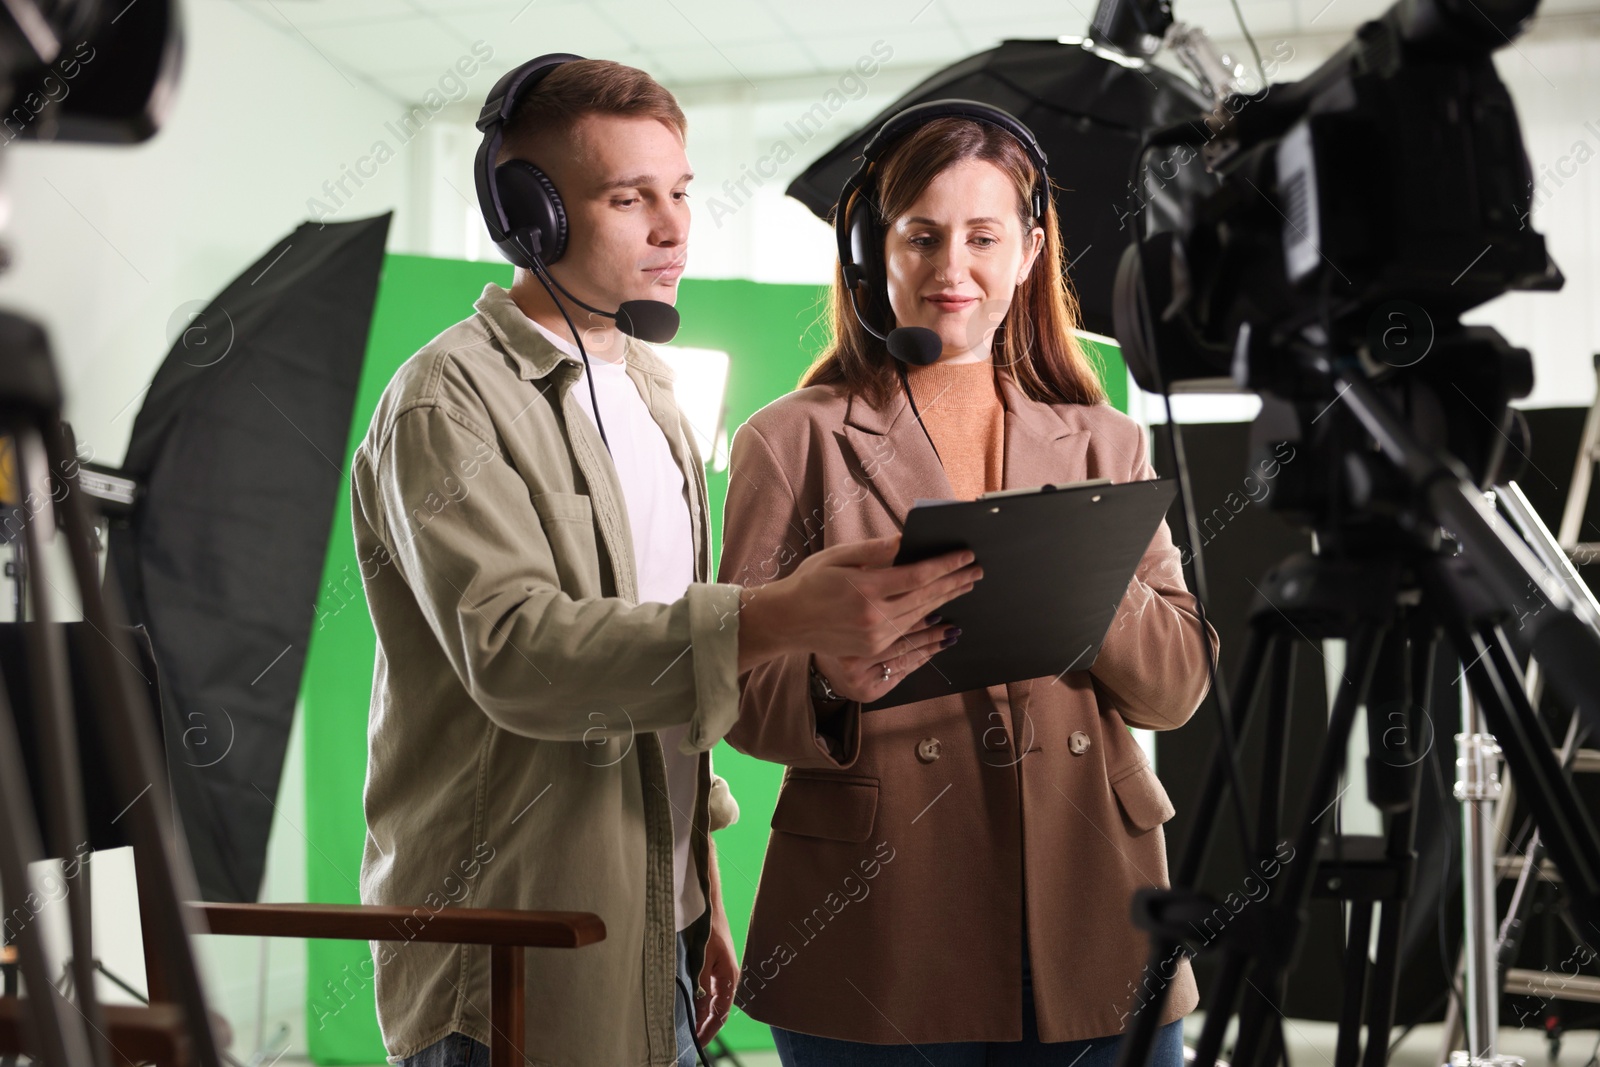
(624, 183)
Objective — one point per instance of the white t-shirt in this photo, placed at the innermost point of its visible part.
(663, 550)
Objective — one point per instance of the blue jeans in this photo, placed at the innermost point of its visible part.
(683, 1010)
(459, 1050)
(452, 1050)
(804, 1050)
(807, 1050)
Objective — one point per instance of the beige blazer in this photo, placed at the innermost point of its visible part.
(909, 845)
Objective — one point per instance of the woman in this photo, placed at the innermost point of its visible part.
(949, 881)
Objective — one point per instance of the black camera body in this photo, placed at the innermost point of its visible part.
(1356, 214)
(1370, 204)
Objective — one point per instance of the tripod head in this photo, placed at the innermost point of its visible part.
(1456, 404)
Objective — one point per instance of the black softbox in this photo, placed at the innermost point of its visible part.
(1088, 112)
(238, 451)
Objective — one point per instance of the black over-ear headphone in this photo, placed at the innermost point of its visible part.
(860, 234)
(519, 202)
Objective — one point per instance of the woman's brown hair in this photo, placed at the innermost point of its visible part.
(1035, 342)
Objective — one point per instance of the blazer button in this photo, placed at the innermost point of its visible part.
(1079, 742)
(928, 749)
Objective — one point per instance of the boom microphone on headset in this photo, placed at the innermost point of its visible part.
(655, 321)
(916, 345)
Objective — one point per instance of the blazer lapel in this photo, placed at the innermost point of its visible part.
(894, 455)
(1041, 449)
(901, 467)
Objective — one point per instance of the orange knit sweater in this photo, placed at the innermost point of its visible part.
(961, 407)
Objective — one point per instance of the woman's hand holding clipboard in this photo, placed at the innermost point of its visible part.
(1057, 562)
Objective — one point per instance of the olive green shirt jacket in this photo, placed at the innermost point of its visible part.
(512, 759)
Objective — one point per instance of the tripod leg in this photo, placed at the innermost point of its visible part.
(1269, 971)
(1275, 754)
(1276, 1050)
(1510, 937)
(1357, 938)
(1424, 644)
(56, 717)
(1234, 966)
(125, 728)
(1454, 1032)
(1191, 864)
(1261, 1025)
(1220, 1008)
(57, 1032)
(1501, 705)
(1573, 842)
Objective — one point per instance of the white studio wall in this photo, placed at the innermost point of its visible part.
(113, 249)
(112, 245)
(1555, 82)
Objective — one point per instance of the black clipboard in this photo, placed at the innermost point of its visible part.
(1056, 561)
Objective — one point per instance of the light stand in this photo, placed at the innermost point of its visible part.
(1478, 788)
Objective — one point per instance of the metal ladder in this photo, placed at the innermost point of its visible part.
(1520, 980)
(1583, 552)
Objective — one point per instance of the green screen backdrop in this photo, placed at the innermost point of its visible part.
(771, 333)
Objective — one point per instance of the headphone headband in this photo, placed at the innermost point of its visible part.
(502, 99)
(919, 115)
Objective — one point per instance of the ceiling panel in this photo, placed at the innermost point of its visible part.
(517, 38)
(841, 53)
(699, 62)
(684, 23)
(403, 45)
(775, 59)
(421, 44)
(910, 46)
(320, 13)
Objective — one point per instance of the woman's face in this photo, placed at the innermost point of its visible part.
(956, 257)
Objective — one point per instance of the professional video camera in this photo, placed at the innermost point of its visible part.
(1394, 173)
(1356, 215)
(1360, 210)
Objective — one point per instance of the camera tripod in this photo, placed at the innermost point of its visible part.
(63, 1031)
(1409, 557)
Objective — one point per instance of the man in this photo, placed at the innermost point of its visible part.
(554, 663)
